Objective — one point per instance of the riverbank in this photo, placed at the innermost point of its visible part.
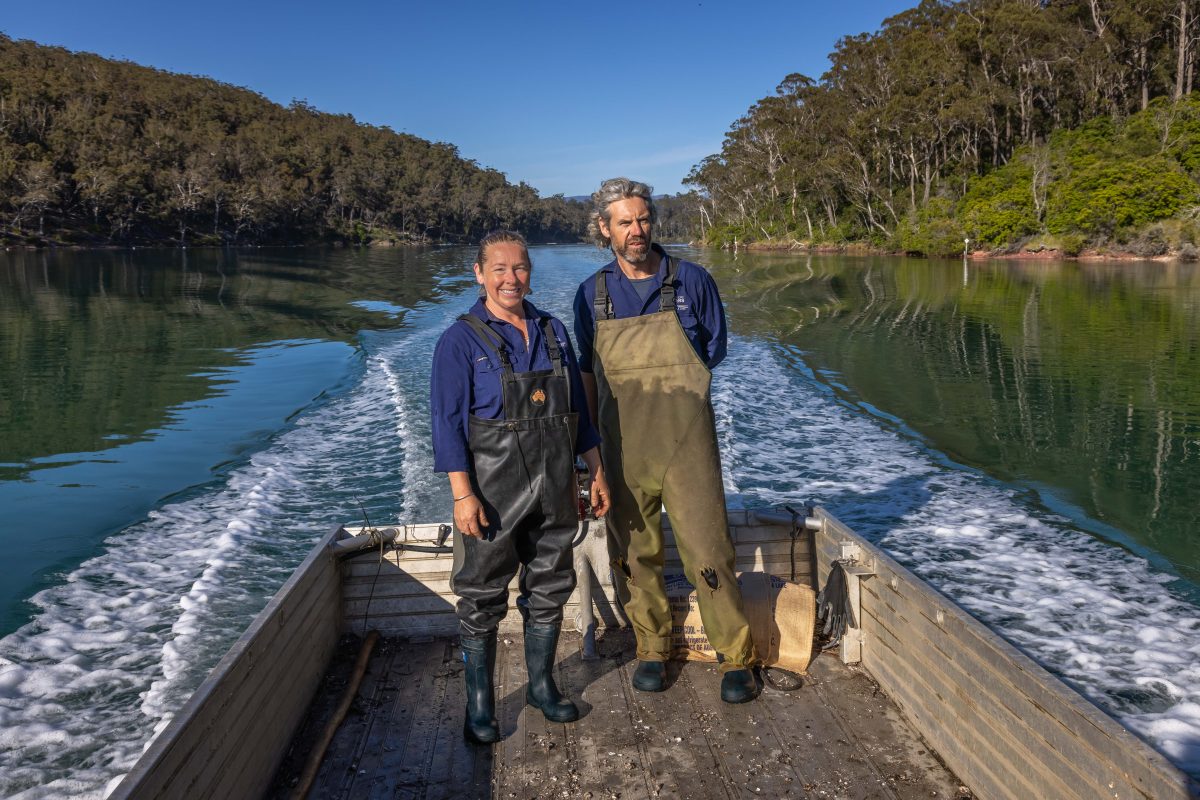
(168, 245)
(11, 242)
(1038, 252)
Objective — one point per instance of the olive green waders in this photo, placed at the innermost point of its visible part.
(659, 444)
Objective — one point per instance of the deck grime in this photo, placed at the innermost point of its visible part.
(835, 737)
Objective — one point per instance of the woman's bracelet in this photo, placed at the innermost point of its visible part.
(464, 497)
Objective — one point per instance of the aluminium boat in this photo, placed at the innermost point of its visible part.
(919, 699)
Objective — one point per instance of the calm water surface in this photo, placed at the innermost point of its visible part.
(177, 428)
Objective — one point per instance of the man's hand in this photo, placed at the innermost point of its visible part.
(469, 516)
(600, 498)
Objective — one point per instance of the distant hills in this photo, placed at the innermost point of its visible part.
(95, 151)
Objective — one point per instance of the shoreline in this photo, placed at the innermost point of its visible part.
(337, 245)
(851, 248)
(1039, 254)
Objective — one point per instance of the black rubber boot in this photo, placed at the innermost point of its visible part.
(479, 656)
(541, 643)
(650, 676)
(740, 686)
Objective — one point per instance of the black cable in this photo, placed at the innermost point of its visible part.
(783, 680)
(795, 534)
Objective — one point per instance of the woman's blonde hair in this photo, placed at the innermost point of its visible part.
(497, 237)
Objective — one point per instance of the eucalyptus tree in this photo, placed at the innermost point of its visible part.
(910, 122)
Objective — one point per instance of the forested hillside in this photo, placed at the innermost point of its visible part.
(95, 151)
(1063, 123)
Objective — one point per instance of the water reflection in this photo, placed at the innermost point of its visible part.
(128, 377)
(1082, 380)
(97, 346)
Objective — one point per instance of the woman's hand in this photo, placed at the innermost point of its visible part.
(469, 516)
(468, 511)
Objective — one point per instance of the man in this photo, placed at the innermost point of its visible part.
(650, 328)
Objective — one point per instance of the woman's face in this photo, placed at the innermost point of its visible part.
(505, 275)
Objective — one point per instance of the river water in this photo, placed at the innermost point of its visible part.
(177, 429)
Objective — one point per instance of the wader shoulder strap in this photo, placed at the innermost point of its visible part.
(666, 297)
(602, 307)
(556, 356)
(602, 303)
(490, 339)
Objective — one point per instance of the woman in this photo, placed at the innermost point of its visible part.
(509, 417)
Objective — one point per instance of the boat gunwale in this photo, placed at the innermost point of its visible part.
(1134, 746)
(169, 737)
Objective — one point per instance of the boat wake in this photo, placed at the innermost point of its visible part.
(1098, 616)
(117, 647)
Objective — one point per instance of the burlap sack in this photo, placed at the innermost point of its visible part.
(781, 615)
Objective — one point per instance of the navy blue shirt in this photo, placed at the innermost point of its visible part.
(466, 380)
(697, 304)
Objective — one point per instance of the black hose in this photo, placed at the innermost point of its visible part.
(423, 548)
(400, 545)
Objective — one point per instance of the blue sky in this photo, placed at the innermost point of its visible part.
(559, 95)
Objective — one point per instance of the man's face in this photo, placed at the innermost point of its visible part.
(628, 228)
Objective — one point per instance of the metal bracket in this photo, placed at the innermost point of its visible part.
(856, 569)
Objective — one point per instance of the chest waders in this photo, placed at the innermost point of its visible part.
(659, 443)
(523, 472)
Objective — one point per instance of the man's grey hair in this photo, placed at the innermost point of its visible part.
(612, 191)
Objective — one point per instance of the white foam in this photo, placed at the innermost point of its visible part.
(1095, 614)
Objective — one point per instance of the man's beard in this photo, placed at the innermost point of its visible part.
(634, 253)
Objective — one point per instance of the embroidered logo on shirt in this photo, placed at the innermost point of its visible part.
(681, 303)
(538, 397)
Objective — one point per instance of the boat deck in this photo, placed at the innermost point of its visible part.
(835, 737)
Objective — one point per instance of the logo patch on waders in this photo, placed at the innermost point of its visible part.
(538, 397)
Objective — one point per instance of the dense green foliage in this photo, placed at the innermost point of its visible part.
(994, 120)
(93, 151)
(677, 217)
(1106, 181)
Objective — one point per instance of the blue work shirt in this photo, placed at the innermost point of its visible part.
(697, 304)
(466, 380)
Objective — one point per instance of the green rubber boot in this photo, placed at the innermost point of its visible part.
(740, 686)
(650, 676)
(479, 656)
(541, 643)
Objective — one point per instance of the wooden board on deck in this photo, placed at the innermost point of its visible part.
(836, 736)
